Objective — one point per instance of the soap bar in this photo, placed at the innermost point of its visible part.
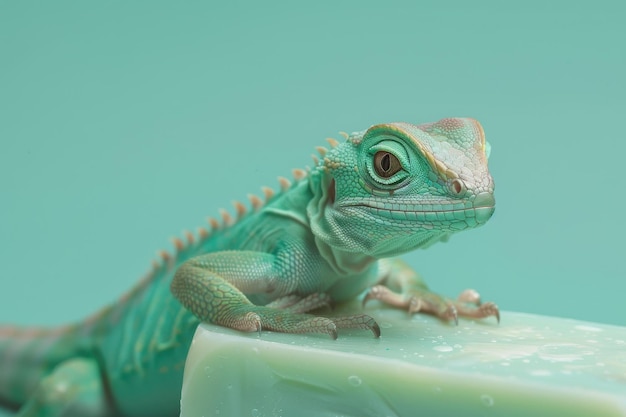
(526, 365)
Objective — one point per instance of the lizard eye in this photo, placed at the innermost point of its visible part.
(386, 164)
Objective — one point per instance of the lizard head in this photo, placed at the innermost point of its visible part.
(396, 187)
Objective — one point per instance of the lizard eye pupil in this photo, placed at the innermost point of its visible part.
(386, 164)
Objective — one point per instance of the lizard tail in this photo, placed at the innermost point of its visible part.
(27, 354)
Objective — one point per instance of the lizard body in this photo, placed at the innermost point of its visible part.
(324, 239)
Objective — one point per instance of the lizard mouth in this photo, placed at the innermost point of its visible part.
(468, 213)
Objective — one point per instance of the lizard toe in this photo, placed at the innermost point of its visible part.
(484, 310)
(359, 321)
(248, 322)
(450, 313)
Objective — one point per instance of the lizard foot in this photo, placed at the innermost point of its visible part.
(469, 305)
(257, 318)
(424, 301)
(480, 312)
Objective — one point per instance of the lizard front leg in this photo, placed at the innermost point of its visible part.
(213, 287)
(400, 286)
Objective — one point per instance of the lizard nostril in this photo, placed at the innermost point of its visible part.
(457, 187)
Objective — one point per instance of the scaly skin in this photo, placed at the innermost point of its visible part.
(324, 239)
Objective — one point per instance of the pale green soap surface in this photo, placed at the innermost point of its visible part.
(528, 365)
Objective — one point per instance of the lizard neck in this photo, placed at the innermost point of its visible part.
(343, 252)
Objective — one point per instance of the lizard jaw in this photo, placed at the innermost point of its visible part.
(457, 216)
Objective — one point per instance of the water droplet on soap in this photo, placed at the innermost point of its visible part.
(254, 412)
(437, 390)
(354, 380)
(487, 400)
(207, 371)
(386, 325)
(443, 348)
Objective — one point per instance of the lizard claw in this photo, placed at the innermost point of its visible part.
(318, 325)
(374, 293)
(285, 321)
(416, 305)
(451, 313)
(482, 311)
(359, 321)
(490, 309)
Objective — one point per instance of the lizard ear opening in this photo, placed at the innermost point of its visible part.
(331, 192)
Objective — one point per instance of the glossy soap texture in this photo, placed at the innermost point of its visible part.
(528, 365)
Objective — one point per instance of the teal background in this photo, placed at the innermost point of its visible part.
(124, 123)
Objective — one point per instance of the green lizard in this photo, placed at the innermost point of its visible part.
(324, 239)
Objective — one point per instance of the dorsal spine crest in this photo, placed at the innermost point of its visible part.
(168, 260)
